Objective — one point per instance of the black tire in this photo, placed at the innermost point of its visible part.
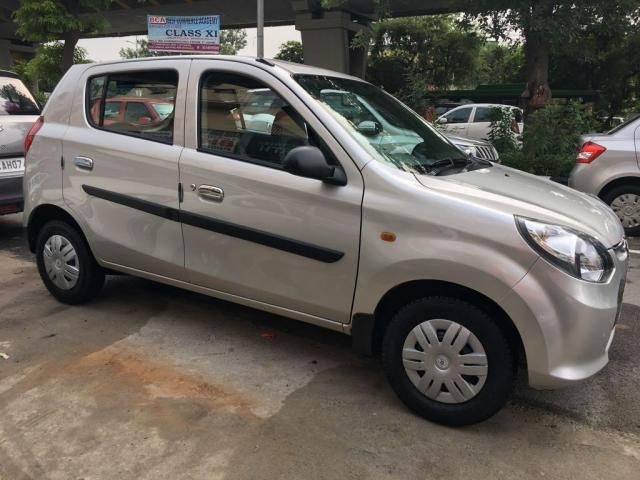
(501, 372)
(614, 193)
(91, 275)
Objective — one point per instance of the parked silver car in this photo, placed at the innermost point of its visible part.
(18, 111)
(607, 166)
(451, 266)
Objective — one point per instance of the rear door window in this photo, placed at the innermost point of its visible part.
(483, 115)
(15, 98)
(106, 93)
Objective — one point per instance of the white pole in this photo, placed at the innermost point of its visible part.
(260, 28)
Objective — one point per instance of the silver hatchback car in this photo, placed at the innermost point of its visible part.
(451, 266)
(608, 166)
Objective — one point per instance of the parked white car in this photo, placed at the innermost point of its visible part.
(474, 120)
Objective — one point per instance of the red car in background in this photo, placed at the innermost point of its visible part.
(134, 110)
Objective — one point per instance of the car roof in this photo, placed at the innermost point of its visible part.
(291, 68)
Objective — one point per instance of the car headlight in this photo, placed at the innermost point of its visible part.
(469, 150)
(576, 253)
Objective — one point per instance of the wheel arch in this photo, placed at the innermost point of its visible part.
(368, 330)
(44, 213)
(629, 180)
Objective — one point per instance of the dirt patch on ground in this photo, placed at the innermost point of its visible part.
(119, 367)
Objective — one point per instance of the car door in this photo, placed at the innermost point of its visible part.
(480, 123)
(121, 178)
(251, 229)
(458, 121)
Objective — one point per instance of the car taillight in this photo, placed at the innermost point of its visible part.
(589, 152)
(32, 133)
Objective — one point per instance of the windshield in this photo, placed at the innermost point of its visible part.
(391, 132)
(630, 120)
(15, 99)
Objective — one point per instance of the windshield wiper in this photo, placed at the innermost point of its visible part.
(436, 168)
(476, 163)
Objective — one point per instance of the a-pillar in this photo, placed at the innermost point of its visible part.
(327, 41)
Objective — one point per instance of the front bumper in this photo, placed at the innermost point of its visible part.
(11, 199)
(568, 323)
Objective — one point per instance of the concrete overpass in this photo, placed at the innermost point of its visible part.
(326, 34)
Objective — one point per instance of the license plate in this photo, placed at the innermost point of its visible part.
(11, 165)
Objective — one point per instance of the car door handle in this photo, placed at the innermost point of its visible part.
(208, 192)
(83, 163)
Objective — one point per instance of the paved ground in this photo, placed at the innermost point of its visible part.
(152, 382)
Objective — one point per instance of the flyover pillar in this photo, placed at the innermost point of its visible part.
(326, 41)
(6, 59)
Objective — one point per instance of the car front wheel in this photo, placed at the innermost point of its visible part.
(66, 264)
(448, 361)
(625, 202)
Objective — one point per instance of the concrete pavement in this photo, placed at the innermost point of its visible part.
(152, 382)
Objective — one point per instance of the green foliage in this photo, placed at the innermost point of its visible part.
(49, 20)
(500, 63)
(141, 50)
(43, 71)
(500, 133)
(608, 63)
(561, 22)
(232, 40)
(550, 140)
(557, 27)
(291, 51)
(410, 56)
(53, 20)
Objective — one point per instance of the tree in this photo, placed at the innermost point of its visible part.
(141, 50)
(609, 64)
(43, 71)
(409, 56)
(548, 26)
(66, 20)
(291, 51)
(499, 64)
(230, 42)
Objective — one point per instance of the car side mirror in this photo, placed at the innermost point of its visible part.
(369, 128)
(310, 162)
(442, 120)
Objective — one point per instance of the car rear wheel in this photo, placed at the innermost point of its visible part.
(448, 361)
(625, 202)
(66, 264)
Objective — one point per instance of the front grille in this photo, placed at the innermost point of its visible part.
(487, 152)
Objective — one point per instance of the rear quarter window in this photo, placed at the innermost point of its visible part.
(137, 89)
